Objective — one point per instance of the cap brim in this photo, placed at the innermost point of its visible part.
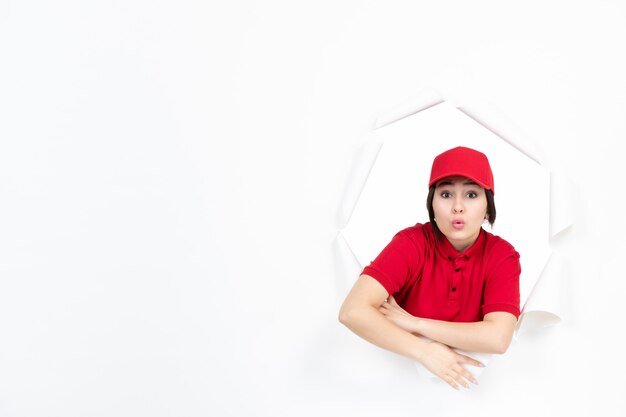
(458, 174)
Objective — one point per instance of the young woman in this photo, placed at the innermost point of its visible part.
(447, 280)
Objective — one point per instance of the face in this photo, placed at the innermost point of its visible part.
(460, 207)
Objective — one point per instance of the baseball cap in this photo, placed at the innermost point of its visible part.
(464, 162)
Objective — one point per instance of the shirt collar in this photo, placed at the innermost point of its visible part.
(446, 250)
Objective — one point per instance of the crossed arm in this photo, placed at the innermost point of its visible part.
(369, 313)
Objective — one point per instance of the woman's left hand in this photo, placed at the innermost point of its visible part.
(399, 316)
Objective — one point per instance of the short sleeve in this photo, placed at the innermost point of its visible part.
(501, 291)
(396, 264)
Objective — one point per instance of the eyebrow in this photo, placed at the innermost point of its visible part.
(468, 182)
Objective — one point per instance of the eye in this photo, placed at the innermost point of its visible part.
(472, 194)
(446, 194)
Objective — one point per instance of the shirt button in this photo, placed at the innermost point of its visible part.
(457, 270)
(453, 289)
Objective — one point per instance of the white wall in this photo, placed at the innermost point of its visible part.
(169, 179)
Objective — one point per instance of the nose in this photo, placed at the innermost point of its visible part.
(457, 207)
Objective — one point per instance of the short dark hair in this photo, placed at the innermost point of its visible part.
(491, 209)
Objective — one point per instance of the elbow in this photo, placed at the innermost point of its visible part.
(350, 315)
(342, 317)
(500, 349)
(500, 327)
(501, 345)
(345, 316)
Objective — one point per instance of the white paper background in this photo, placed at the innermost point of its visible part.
(170, 175)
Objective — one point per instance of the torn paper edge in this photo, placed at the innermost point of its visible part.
(561, 203)
(427, 99)
(347, 265)
(503, 130)
(543, 307)
(535, 313)
(362, 165)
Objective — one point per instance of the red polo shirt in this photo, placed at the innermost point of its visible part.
(429, 278)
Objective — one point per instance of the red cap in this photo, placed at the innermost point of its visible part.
(464, 162)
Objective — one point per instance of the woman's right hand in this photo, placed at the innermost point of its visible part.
(447, 364)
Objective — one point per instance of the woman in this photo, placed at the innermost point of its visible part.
(447, 280)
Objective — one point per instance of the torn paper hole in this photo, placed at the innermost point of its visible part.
(389, 191)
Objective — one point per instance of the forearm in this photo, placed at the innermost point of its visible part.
(361, 313)
(481, 336)
(367, 322)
